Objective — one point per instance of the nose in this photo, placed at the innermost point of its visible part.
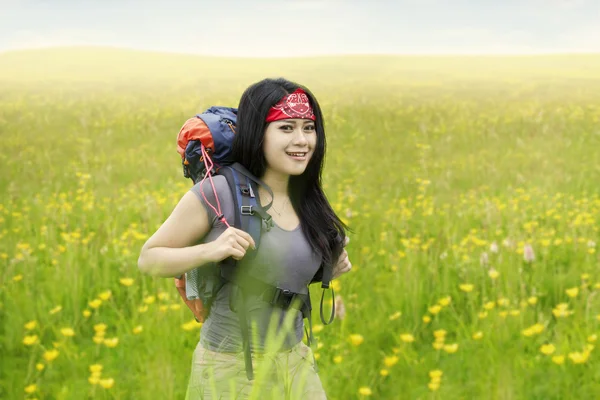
(299, 138)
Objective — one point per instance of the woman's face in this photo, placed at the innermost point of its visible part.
(289, 144)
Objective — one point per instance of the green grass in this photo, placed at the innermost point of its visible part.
(430, 160)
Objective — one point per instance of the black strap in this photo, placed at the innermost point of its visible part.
(332, 316)
(240, 168)
(243, 318)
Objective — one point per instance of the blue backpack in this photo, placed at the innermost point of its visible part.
(204, 144)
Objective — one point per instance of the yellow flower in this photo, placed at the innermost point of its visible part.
(390, 361)
(451, 348)
(558, 360)
(515, 312)
(40, 366)
(338, 359)
(95, 303)
(113, 342)
(493, 273)
(107, 383)
(436, 373)
(31, 325)
(547, 349)
(579, 358)
(561, 310)
(439, 333)
(98, 339)
(163, 296)
(68, 332)
(477, 335)
(317, 328)
(407, 338)
(466, 287)
(17, 278)
(87, 313)
(444, 301)
(51, 355)
(532, 300)
(433, 386)
(105, 295)
(138, 329)
(589, 347)
(573, 292)
(336, 285)
(30, 340)
(94, 380)
(193, 324)
(175, 306)
(142, 309)
(31, 388)
(100, 327)
(489, 305)
(592, 338)
(435, 309)
(533, 330)
(365, 391)
(503, 301)
(55, 310)
(126, 281)
(426, 319)
(356, 339)
(395, 316)
(150, 299)
(96, 368)
(384, 372)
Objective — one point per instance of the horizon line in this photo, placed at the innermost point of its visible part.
(317, 55)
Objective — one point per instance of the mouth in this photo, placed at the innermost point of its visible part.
(300, 156)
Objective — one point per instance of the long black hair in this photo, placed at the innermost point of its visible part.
(321, 226)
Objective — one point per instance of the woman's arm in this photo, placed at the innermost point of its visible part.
(173, 249)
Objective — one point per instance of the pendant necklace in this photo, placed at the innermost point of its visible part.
(283, 208)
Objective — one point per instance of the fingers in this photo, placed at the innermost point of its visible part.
(245, 236)
(241, 237)
(237, 251)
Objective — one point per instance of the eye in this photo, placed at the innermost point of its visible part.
(286, 128)
(310, 128)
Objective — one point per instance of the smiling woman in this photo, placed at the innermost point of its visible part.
(279, 139)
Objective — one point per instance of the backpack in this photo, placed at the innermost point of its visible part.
(204, 144)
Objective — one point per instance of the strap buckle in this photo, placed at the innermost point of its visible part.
(283, 297)
(247, 210)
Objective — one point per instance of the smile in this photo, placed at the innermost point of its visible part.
(298, 156)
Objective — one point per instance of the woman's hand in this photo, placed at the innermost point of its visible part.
(231, 243)
(343, 265)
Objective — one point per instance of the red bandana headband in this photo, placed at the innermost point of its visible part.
(293, 105)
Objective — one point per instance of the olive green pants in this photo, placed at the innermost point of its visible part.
(287, 375)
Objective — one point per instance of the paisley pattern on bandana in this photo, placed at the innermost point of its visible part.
(293, 105)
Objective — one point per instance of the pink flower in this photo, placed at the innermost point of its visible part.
(484, 259)
(528, 254)
(494, 247)
(340, 308)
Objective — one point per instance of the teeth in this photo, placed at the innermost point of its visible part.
(297, 154)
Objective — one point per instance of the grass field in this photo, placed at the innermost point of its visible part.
(471, 185)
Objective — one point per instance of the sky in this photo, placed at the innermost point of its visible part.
(291, 28)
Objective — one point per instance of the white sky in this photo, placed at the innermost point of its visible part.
(264, 28)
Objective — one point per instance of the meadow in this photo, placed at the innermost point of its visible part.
(470, 185)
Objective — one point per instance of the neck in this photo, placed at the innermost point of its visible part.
(277, 182)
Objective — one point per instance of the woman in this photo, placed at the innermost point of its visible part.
(279, 138)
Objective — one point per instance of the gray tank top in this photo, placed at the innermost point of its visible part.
(284, 259)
